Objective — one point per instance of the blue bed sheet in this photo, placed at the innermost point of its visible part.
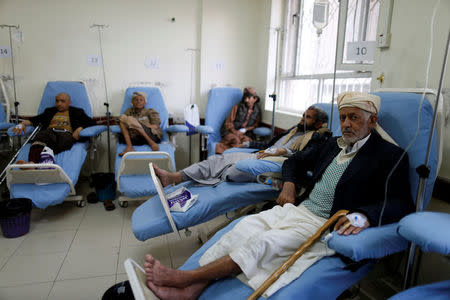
(55, 193)
(139, 185)
(149, 219)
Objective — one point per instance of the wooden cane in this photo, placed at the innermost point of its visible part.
(290, 261)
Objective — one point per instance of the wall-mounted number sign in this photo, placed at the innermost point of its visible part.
(360, 51)
(5, 51)
(94, 60)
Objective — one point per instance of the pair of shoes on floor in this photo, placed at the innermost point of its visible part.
(109, 204)
(270, 178)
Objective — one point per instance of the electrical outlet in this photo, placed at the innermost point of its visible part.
(383, 40)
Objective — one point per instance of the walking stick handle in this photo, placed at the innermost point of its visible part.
(302, 249)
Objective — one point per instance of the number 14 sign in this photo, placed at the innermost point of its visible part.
(5, 51)
(360, 51)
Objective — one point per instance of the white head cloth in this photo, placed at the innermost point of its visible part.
(367, 102)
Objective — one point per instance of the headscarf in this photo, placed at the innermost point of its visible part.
(367, 102)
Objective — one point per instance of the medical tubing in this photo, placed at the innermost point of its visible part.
(3, 175)
(335, 67)
(418, 115)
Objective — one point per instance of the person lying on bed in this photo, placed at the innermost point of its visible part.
(309, 133)
(350, 172)
(61, 127)
(140, 125)
(240, 122)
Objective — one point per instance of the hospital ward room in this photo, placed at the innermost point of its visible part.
(224, 149)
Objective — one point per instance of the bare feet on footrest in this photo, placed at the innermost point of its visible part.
(127, 149)
(169, 283)
(163, 175)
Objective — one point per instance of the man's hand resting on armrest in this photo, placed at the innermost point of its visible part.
(277, 152)
(287, 195)
(345, 226)
(76, 133)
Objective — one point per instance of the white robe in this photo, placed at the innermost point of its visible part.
(260, 243)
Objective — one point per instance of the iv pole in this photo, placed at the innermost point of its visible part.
(16, 104)
(424, 172)
(100, 27)
(274, 95)
(192, 52)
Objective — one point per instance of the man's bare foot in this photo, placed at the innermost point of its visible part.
(168, 293)
(166, 177)
(127, 149)
(160, 275)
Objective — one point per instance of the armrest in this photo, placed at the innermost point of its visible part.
(238, 149)
(6, 125)
(28, 130)
(93, 131)
(262, 131)
(203, 129)
(258, 166)
(428, 230)
(371, 243)
(115, 129)
(177, 128)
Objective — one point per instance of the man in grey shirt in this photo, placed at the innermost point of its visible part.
(221, 167)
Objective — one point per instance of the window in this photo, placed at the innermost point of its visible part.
(308, 58)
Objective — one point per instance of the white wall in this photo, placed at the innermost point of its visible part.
(57, 41)
(404, 62)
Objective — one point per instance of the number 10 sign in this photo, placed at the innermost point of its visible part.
(360, 51)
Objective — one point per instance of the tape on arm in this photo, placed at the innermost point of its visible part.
(357, 219)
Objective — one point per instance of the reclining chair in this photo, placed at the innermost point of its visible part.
(429, 231)
(220, 102)
(51, 184)
(329, 277)
(132, 173)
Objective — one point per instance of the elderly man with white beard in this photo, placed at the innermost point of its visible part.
(349, 172)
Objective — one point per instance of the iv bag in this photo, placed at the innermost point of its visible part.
(320, 15)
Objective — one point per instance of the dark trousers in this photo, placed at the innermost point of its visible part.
(57, 141)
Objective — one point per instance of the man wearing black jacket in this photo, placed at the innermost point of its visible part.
(61, 125)
(351, 172)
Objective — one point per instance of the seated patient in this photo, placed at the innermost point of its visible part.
(220, 167)
(61, 127)
(243, 118)
(350, 173)
(140, 125)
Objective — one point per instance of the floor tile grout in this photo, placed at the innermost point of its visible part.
(67, 253)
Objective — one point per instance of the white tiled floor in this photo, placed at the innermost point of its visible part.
(77, 253)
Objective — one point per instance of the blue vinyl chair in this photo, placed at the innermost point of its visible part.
(429, 231)
(220, 102)
(132, 174)
(329, 277)
(70, 161)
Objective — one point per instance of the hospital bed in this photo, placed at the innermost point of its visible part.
(132, 173)
(429, 231)
(51, 184)
(330, 276)
(220, 102)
